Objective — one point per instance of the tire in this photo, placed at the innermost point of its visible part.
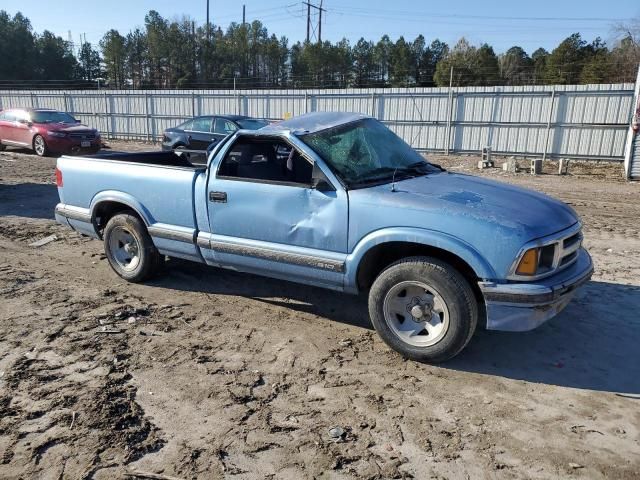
(129, 248)
(419, 288)
(40, 146)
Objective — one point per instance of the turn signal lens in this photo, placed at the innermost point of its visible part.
(529, 263)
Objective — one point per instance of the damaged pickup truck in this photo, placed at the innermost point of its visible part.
(339, 201)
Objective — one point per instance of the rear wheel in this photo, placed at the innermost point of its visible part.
(129, 248)
(40, 146)
(423, 308)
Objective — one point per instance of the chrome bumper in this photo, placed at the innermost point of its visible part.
(518, 307)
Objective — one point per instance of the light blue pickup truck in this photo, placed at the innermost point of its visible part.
(337, 200)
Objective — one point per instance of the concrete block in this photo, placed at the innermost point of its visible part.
(536, 166)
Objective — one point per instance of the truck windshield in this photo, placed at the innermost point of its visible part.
(366, 152)
(51, 117)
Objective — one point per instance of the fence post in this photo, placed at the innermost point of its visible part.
(449, 112)
(548, 132)
(106, 114)
(635, 117)
(146, 109)
(33, 103)
(193, 103)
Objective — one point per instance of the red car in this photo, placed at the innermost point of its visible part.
(46, 131)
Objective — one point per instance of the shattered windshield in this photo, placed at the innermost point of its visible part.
(366, 152)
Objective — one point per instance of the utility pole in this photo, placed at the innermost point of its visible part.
(308, 20)
(320, 23)
(319, 29)
(244, 15)
(208, 26)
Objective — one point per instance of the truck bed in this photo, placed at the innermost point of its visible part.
(157, 158)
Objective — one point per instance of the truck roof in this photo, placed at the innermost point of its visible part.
(314, 122)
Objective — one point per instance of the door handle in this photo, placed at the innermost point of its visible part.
(219, 197)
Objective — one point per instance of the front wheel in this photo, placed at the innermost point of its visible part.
(423, 308)
(129, 248)
(40, 146)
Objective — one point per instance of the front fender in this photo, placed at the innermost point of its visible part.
(431, 238)
(120, 197)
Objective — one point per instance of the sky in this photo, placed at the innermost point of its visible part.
(502, 24)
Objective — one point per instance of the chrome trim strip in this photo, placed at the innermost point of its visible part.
(73, 213)
(203, 240)
(278, 256)
(172, 234)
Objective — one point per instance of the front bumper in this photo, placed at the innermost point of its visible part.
(72, 145)
(518, 307)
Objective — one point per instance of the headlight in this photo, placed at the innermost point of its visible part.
(537, 261)
(528, 263)
(56, 134)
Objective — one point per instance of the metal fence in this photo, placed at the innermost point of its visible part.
(575, 121)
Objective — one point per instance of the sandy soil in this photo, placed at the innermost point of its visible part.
(206, 373)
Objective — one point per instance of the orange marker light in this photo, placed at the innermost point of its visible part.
(529, 263)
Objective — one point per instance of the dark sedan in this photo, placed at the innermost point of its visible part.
(200, 132)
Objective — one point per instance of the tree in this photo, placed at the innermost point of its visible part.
(539, 59)
(486, 65)
(462, 59)
(114, 55)
(401, 63)
(516, 67)
(54, 58)
(597, 63)
(382, 58)
(363, 67)
(17, 48)
(565, 63)
(89, 63)
(136, 58)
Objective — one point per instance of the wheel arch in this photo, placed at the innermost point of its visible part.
(381, 248)
(106, 205)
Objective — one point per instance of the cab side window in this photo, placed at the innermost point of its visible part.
(268, 160)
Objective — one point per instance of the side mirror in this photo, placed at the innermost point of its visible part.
(78, 121)
(319, 181)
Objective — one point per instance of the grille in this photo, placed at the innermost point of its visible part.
(568, 249)
(82, 136)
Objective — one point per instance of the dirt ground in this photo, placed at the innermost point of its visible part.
(207, 373)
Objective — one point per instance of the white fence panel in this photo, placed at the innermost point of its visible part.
(583, 121)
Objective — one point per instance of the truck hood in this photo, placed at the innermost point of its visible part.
(495, 202)
(496, 219)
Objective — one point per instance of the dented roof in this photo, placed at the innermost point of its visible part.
(314, 122)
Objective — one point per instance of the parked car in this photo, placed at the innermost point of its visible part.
(200, 132)
(350, 207)
(46, 131)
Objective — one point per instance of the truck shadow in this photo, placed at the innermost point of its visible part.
(593, 344)
(31, 200)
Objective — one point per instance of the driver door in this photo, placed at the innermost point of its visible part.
(266, 216)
